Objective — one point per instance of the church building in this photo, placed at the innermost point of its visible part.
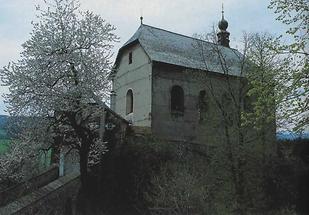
(166, 83)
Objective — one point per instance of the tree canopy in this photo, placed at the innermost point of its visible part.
(67, 59)
(295, 14)
(63, 68)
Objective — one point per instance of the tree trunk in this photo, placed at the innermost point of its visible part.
(241, 161)
(83, 162)
(55, 152)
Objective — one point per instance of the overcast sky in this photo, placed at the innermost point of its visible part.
(181, 16)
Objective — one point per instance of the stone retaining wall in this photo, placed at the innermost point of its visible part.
(172, 211)
(23, 188)
(50, 199)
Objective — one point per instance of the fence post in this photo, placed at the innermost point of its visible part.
(61, 164)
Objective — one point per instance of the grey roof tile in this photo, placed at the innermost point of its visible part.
(172, 48)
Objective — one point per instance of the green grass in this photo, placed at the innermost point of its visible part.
(4, 145)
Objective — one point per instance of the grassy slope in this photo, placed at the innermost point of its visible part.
(4, 139)
(4, 145)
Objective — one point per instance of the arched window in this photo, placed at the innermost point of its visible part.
(129, 102)
(177, 99)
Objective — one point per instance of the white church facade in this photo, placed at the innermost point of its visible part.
(166, 83)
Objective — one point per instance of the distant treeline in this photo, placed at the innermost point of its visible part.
(286, 135)
(10, 126)
(296, 155)
(3, 126)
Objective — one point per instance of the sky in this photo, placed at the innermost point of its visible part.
(180, 16)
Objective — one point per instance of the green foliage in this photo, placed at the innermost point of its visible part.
(179, 185)
(295, 14)
(271, 184)
(269, 79)
(146, 173)
(124, 179)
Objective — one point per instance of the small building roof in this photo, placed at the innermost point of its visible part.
(176, 49)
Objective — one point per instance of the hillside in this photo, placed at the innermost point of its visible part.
(285, 135)
(4, 139)
(3, 126)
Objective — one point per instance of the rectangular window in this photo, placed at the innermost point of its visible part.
(130, 57)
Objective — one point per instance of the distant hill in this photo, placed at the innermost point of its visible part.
(3, 120)
(3, 126)
(286, 135)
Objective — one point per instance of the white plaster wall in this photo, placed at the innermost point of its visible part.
(187, 127)
(135, 76)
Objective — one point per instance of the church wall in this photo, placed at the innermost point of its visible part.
(164, 125)
(135, 76)
(189, 127)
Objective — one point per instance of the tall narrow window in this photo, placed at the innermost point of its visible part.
(227, 105)
(202, 105)
(129, 102)
(177, 100)
(130, 57)
(248, 107)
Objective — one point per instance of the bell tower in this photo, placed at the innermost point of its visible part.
(223, 35)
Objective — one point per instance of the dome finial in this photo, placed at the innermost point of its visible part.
(141, 18)
(223, 24)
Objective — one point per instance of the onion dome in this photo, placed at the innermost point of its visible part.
(223, 34)
(223, 24)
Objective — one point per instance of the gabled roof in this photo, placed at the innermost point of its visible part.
(176, 49)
